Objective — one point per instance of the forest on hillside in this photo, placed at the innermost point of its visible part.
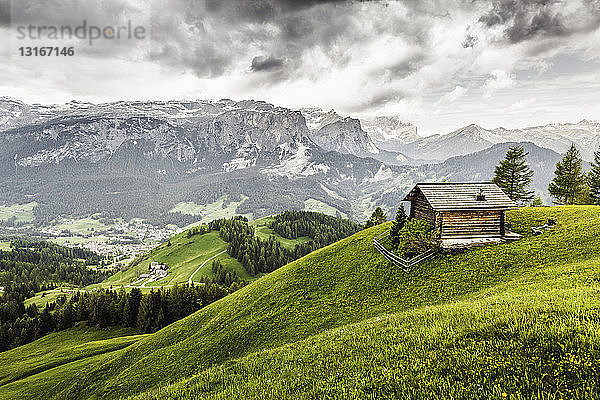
(34, 266)
(259, 256)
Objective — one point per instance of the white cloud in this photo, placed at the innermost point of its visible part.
(498, 79)
(454, 95)
(361, 58)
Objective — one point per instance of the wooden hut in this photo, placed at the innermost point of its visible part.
(461, 210)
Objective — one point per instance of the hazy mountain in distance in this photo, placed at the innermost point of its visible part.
(466, 140)
(389, 132)
(558, 137)
(584, 134)
(346, 135)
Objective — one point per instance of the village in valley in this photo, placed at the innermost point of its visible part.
(119, 241)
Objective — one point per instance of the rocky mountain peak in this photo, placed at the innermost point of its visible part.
(345, 136)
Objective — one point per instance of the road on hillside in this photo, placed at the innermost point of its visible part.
(202, 265)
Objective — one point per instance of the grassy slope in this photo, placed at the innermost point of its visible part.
(61, 348)
(183, 257)
(536, 336)
(208, 212)
(186, 254)
(22, 212)
(263, 231)
(49, 296)
(341, 284)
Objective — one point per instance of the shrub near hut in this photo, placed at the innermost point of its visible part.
(410, 237)
(416, 237)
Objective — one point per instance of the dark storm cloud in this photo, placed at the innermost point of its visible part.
(4, 13)
(529, 19)
(210, 36)
(270, 63)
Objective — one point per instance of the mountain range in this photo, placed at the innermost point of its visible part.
(140, 159)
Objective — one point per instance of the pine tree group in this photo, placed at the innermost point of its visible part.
(513, 175)
(397, 225)
(594, 179)
(569, 185)
(378, 217)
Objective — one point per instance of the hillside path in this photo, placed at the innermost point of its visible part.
(202, 265)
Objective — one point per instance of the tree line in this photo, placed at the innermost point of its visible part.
(258, 255)
(32, 266)
(570, 185)
(321, 228)
(147, 312)
(255, 254)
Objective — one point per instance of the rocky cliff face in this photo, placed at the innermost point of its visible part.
(345, 136)
(316, 118)
(182, 133)
(141, 158)
(389, 132)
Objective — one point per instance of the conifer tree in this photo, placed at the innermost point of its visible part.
(513, 175)
(594, 179)
(569, 183)
(398, 224)
(378, 217)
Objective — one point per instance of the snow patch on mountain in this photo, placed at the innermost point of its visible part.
(386, 129)
(296, 165)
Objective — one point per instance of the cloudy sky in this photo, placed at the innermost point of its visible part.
(440, 64)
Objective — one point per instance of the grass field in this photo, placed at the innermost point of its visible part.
(263, 231)
(60, 349)
(47, 296)
(517, 320)
(535, 337)
(324, 208)
(183, 257)
(5, 246)
(212, 211)
(22, 212)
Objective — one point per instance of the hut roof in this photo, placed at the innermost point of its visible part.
(462, 196)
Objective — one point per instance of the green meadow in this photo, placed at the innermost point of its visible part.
(22, 213)
(48, 296)
(518, 320)
(183, 255)
(220, 208)
(61, 349)
(263, 231)
(324, 208)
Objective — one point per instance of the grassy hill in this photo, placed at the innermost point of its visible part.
(61, 349)
(263, 231)
(185, 254)
(343, 323)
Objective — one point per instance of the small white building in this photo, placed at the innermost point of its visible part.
(156, 266)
